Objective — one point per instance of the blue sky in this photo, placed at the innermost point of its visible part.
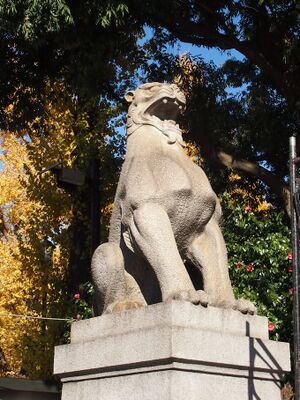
(215, 55)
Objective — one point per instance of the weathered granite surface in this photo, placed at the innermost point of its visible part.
(166, 215)
(172, 351)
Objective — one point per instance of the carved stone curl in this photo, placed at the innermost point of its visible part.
(164, 242)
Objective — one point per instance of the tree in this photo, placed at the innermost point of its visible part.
(79, 46)
(85, 44)
(60, 80)
(30, 285)
(39, 225)
(249, 126)
(266, 33)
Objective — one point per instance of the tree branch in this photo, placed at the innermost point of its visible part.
(261, 173)
(200, 34)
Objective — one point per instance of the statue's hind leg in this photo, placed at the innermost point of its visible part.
(116, 290)
(208, 253)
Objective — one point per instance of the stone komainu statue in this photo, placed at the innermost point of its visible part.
(164, 241)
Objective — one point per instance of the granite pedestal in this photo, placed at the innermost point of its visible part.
(172, 351)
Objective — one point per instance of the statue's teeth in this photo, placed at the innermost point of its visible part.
(165, 101)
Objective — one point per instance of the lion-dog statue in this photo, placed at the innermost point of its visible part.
(164, 242)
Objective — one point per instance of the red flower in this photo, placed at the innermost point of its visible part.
(292, 290)
(248, 209)
(76, 296)
(250, 268)
(271, 326)
(78, 317)
(290, 256)
(290, 268)
(239, 265)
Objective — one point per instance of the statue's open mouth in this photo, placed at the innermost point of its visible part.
(166, 109)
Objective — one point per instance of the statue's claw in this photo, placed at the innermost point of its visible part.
(204, 299)
(245, 306)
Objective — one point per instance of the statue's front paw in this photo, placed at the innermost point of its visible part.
(245, 306)
(186, 295)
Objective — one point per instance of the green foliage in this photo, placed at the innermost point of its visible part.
(32, 18)
(258, 245)
(89, 45)
(114, 11)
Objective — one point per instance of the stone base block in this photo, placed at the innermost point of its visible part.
(172, 351)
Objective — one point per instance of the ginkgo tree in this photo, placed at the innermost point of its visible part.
(37, 223)
(32, 209)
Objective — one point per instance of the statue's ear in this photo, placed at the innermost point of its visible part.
(129, 96)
